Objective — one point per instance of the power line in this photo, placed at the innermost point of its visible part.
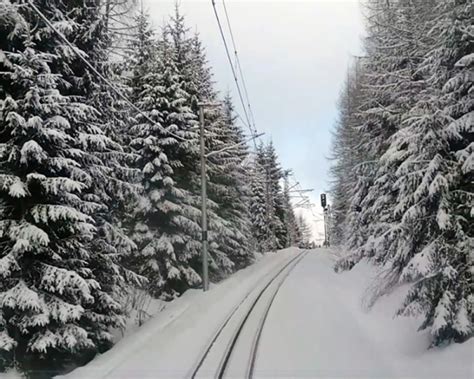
(239, 66)
(97, 73)
(249, 124)
(241, 119)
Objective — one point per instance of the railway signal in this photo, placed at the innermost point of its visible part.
(323, 200)
(325, 207)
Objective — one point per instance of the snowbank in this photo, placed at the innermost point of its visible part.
(319, 327)
(168, 344)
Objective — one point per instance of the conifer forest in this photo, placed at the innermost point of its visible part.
(102, 111)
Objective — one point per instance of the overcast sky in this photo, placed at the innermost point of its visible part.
(294, 56)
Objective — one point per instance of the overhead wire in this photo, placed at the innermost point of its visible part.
(239, 66)
(234, 73)
(247, 108)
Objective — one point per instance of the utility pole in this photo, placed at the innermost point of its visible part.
(325, 207)
(328, 221)
(204, 156)
(287, 210)
(269, 207)
(205, 259)
(325, 229)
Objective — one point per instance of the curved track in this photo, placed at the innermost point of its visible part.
(242, 337)
(261, 324)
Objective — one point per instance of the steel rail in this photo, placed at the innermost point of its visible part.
(228, 318)
(233, 342)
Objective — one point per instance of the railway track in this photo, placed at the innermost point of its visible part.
(233, 349)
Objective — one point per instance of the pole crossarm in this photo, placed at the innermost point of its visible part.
(209, 104)
(205, 258)
(212, 153)
(303, 202)
(303, 190)
(293, 186)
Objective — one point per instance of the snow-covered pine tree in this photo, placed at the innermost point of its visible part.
(440, 262)
(57, 293)
(228, 186)
(191, 59)
(408, 30)
(293, 233)
(168, 86)
(345, 155)
(267, 201)
(380, 110)
(227, 212)
(167, 228)
(258, 208)
(275, 197)
(304, 232)
(415, 214)
(115, 181)
(141, 48)
(384, 86)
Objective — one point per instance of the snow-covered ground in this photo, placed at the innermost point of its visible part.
(169, 344)
(317, 327)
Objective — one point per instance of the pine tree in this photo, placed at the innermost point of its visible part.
(409, 210)
(275, 198)
(227, 211)
(258, 208)
(293, 233)
(58, 294)
(440, 262)
(267, 203)
(116, 181)
(346, 155)
(142, 47)
(228, 186)
(167, 227)
(168, 86)
(304, 233)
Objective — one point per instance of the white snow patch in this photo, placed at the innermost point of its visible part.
(11, 375)
(169, 343)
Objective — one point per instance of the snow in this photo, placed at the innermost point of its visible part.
(169, 344)
(31, 150)
(18, 189)
(317, 327)
(30, 233)
(59, 280)
(52, 212)
(11, 375)
(467, 60)
(336, 336)
(21, 297)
